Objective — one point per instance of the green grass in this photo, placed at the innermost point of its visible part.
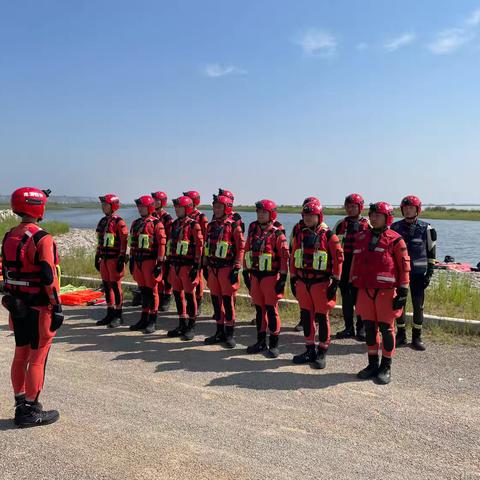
(54, 228)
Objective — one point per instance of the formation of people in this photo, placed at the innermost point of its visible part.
(371, 260)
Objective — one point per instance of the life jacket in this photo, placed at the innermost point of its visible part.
(263, 255)
(415, 236)
(373, 260)
(219, 242)
(311, 255)
(346, 231)
(143, 241)
(23, 278)
(181, 244)
(108, 238)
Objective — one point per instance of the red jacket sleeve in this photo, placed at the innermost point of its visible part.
(198, 239)
(161, 238)
(402, 261)
(122, 232)
(336, 252)
(239, 246)
(283, 252)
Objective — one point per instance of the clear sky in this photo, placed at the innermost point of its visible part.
(270, 98)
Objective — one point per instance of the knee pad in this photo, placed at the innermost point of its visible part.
(108, 293)
(258, 316)
(217, 311)
(272, 318)
(370, 332)
(388, 338)
(306, 322)
(191, 307)
(227, 305)
(116, 293)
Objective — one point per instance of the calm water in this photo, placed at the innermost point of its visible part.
(458, 238)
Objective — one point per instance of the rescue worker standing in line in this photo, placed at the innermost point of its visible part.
(147, 255)
(420, 238)
(112, 233)
(222, 260)
(380, 270)
(32, 297)
(265, 274)
(184, 257)
(346, 230)
(202, 220)
(315, 267)
(164, 288)
(236, 217)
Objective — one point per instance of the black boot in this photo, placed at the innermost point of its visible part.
(141, 324)
(229, 340)
(321, 360)
(107, 318)
(136, 298)
(261, 344)
(348, 332)
(217, 337)
(165, 300)
(178, 331)
(361, 337)
(308, 356)
(118, 320)
(31, 414)
(273, 351)
(189, 332)
(370, 370)
(152, 323)
(384, 372)
(298, 327)
(417, 342)
(19, 402)
(401, 337)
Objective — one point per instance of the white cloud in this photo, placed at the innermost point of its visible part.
(450, 40)
(474, 19)
(317, 43)
(215, 70)
(361, 46)
(399, 42)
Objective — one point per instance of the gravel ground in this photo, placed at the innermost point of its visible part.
(139, 407)
(76, 238)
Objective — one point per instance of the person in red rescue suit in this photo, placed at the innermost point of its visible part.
(32, 290)
(202, 220)
(184, 257)
(164, 288)
(315, 267)
(147, 256)
(380, 270)
(346, 229)
(112, 234)
(237, 218)
(222, 260)
(265, 274)
(296, 228)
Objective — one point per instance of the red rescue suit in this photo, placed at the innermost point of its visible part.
(163, 286)
(30, 274)
(202, 220)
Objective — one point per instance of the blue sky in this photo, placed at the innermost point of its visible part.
(268, 98)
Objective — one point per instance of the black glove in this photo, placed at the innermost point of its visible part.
(401, 299)
(157, 269)
(120, 263)
(205, 273)
(57, 318)
(234, 275)
(427, 279)
(97, 262)
(293, 285)
(131, 264)
(194, 272)
(246, 279)
(332, 289)
(280, 285)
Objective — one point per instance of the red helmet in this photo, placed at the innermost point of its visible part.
(194, 195)
(112, 200)
(185, 202)
(146, 201)
(162, 196)
(385, 208)
(411, 200)
(226, 193)
(310, 200)
(356, 199)
(29, 201)
(314, 208)
(225, 201)
(269, 206)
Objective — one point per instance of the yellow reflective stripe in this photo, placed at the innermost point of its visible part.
(265, 262)
(320, 259)
(109, 240)
(182, 247)
(169, 248)
(298, 257)
(143, 241)
(248, 259)
(417, 326)
(222, 249)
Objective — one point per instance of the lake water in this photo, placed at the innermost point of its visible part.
(458, 238)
